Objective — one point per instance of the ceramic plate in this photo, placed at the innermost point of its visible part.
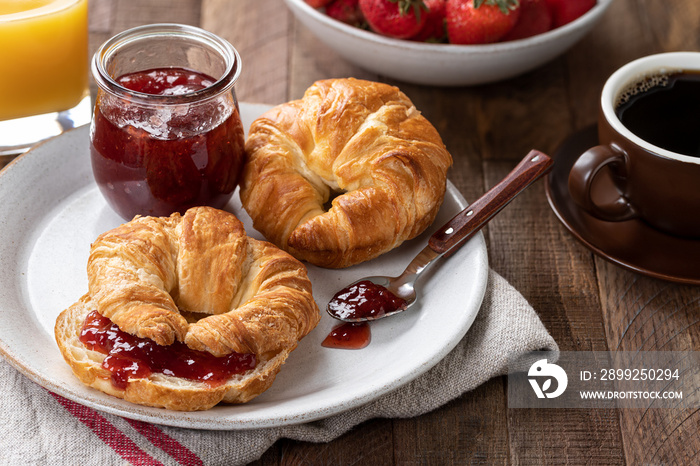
(51, 210)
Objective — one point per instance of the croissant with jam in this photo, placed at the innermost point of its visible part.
(361, 145)
(186, 288)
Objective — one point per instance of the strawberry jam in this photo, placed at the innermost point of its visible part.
(130, 357)
(359, 300)
(364, 299)
(160, 150)
(349, 335)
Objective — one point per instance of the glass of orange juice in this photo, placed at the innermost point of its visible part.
(43, 70)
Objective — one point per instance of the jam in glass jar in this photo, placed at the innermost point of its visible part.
(166, 133)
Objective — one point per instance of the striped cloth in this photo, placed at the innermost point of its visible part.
(40, 427)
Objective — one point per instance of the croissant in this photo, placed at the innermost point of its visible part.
(199, 280)
(361, 145)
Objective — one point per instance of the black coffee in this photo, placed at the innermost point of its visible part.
(664, 110)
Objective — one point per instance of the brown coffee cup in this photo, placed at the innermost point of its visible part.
(653, 184)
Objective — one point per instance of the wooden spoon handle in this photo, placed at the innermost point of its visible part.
(466, 223)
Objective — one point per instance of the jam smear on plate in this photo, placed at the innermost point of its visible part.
(131, 357)
(350, 335)
(157, 158)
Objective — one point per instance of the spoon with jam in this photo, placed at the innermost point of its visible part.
(373, 298)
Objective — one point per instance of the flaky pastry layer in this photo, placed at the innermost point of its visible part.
(361, 145)
(256, 297)
(157, 390)
(199, 279)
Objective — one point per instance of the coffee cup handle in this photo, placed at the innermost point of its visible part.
(584, 172)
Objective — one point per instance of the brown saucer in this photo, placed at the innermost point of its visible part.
(632, 244)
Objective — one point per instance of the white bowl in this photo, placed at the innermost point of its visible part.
(444, 64)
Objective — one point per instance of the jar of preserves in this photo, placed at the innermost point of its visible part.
(166, 132)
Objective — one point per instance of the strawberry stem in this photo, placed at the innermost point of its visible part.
(405, 5)
(506, 6)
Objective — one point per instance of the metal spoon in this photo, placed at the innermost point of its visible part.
(451, 236)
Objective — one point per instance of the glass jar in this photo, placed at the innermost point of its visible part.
(166, 132)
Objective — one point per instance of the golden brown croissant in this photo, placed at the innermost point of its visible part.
(197, 279)
(360, 141)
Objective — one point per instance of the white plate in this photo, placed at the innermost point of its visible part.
(51, 210)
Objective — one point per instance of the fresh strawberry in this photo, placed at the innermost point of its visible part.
(318, 3)
(400, 19)
(535, 18)
(347, 11)
(565, 11)
(434, 28)
(480, 21)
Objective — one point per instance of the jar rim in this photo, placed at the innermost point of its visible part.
(223, 84)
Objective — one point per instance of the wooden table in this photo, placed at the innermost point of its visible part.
(585, 302)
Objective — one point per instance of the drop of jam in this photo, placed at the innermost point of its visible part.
(130, 357)
(350, 335)
(364, 299)
(158, 159)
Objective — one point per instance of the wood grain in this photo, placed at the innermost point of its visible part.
(465, 224)
(262, 37)
(562, 287)
(639, 313)
(586, 303)
(469, 430)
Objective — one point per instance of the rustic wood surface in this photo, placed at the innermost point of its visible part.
(585, 302)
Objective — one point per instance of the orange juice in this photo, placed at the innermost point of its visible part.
(43, 56)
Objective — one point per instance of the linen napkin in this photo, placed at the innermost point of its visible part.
(39, 427)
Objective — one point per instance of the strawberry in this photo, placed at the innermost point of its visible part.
(434, 28)
(535, 18)
(565, 11)
(400, 19)
(317, 3)
(346, 11)
(480, 21)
